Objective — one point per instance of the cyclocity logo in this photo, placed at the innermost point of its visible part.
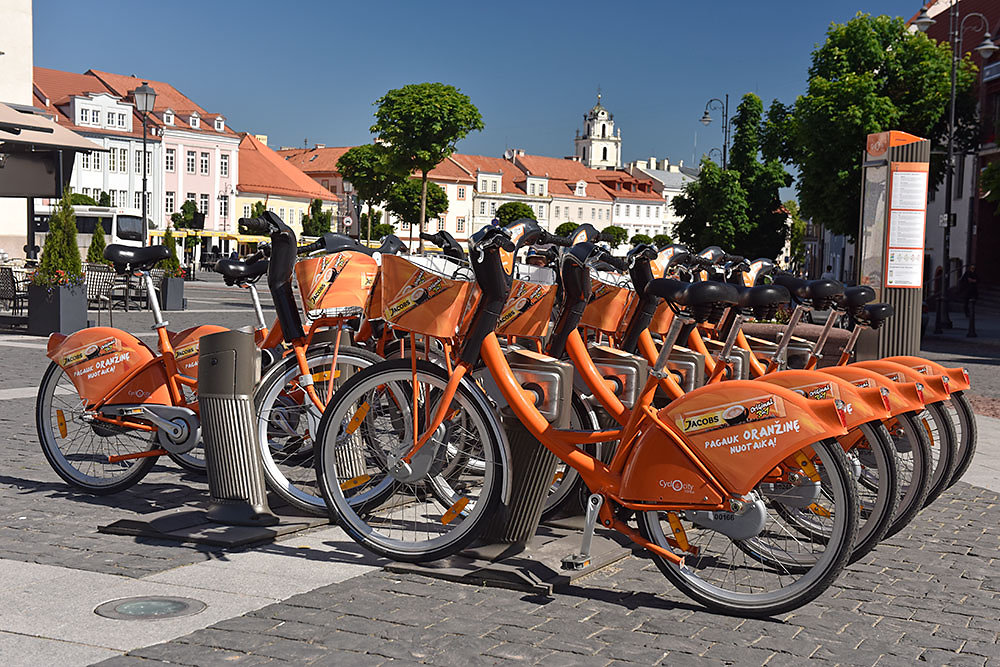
(677, 485)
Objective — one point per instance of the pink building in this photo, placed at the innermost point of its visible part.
(199, 157)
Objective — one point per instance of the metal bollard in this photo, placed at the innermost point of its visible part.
(228, 369)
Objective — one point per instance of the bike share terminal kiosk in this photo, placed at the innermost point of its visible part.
(891, 240)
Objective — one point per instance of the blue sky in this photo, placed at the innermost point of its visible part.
(299, 69)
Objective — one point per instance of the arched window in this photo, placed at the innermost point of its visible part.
(604, 153)
(588, 129)
(604, 130)
(584, 153)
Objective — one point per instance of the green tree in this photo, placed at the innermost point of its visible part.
(183, 218)
(60, 252)
(872, 74)
(381, 229)
(95, 252)
(371, 222)
(615, 234)
(662, 240)
(372, 173)
(713, 208)
(798, 233)
(641, 238)
(104, 199)
(317, 222)
(257, 209)
(171, 264)
(566, 228)
(408, 203)
(79, 199)
(766, 228)
(514, 210)
(420, 125)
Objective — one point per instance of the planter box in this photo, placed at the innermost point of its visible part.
(172, 294)
(61, 310)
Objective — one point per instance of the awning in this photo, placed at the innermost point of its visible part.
(37, 131)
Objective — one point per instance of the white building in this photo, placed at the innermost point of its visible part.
(669, 181)
(15, 88)
(600, 145)
(84, 104)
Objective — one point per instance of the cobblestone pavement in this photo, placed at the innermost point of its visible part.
(930, 594)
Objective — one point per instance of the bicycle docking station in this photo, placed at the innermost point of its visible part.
(516, 550)
(237, 513)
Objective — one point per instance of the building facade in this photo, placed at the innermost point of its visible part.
(669, 181)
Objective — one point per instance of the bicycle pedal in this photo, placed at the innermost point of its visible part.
(575, 562)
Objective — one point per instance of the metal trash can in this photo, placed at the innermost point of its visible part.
(228, 369)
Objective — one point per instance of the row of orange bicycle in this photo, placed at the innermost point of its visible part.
(389, 406)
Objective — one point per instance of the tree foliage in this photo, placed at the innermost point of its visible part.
(171, 265)
(257, 209)
(713, 208)
(641, 238)
(662, 240)
(407, 204)
(104, 199)
(514, 210)
(80, 199)
(871, 75)
(183, 218)
(615, 234)
(419, 124)
(60, 252)
(317, 221)
(95, 251)
(566, 228)
(372, 173)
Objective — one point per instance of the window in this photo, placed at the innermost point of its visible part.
(600, 214)
(169, 160)
(482, 208)
(190, 162)
(461, 192)
(604, 134)
(121, 120)
(333, 188)
(85, 161)
(194, 120)
(618, 209)
(593, 213)
(190, 197)
(482, 185)
(123, 197)
(281, 213)
(203, 204)
(579, 213)
(557, 211)
(138, 199)
(113, 159)
(440, 224)
(604, 153)
(531, 189)
(460, 225)
(541, 212)
(97, 161)
(246, 210)
(224, 206)
(113, 196)
(224, 164)
(123, 160)
(326, 184)
(220, 125)
(541, 189)
(493, 186)
(493, 207)
(628, 208)
(584, 153)
(170, 202)
(204, 164)
(95, 117)
(138, 162)
(85, 192)
(168, 117)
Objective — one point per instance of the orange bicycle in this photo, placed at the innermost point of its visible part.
(413, 461)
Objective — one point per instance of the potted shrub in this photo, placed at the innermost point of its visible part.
(57, 297)
(172, 285)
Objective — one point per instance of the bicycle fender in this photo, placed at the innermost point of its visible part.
(185, 344)
(958, 377)
(936, 387)
(739, 430)
(903, 396)
(98, 359)
(861, 405)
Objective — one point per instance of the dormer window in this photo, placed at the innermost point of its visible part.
(220, 124)
(168, 117)
(581, 189)
(194, 120)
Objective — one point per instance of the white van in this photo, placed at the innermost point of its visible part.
(121, 225)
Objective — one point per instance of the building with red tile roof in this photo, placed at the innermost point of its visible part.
(282, 187)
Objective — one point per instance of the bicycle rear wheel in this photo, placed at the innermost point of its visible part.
(941, 433)
(455, 482)
(963, 420)
(913, 449)
(774, 571)
(78, 448)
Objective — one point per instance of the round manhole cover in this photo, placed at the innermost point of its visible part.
(149, 608)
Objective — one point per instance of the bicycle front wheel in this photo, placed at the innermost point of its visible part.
(913, 448)
(287, 420)
(778, 569)
(963, 420)
(78, 448)
(941, 433)
(437, 505)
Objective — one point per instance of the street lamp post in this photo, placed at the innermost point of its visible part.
(144, 97)
(956, 25)
(706, 118)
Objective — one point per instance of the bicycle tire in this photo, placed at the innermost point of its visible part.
(375, 402)
(943, 443)
(283, 433)
(819, 568)
(915, 459)
(968, 434)
(86, 446)
(568, 494)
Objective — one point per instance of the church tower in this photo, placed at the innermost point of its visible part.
(599, 147)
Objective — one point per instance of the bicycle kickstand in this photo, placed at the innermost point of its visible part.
(581, 560)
